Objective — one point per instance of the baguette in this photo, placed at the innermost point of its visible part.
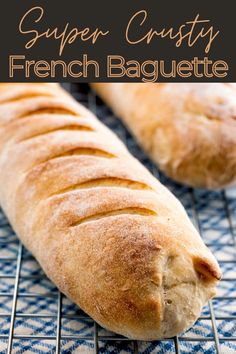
(189, 130)
(105, 231)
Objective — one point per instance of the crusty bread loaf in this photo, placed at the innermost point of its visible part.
(188, 129)
(105, 231)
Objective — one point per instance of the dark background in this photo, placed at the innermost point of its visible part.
(114, 15)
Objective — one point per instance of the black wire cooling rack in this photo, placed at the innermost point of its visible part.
(36, 318)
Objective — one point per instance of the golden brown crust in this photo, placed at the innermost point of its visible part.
(188, 129)
(110, 236)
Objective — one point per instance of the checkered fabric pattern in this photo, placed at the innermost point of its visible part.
(36, 318)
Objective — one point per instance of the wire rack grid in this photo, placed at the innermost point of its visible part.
(36, 318)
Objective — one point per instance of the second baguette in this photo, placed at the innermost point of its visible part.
(189, 129)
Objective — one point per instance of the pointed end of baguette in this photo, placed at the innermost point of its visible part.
(207, 269)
